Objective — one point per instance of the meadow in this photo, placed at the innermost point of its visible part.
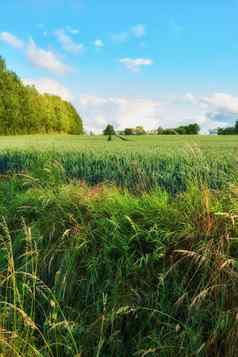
(141, 143)
(119, 248)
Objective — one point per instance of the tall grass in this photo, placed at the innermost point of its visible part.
(100, 271)
(32, 322)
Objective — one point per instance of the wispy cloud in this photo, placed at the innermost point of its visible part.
(221, 101)
(98, 43)
(11, 40)
(46, 59)
(67, 43)
(39, 57)
(187, 98)
(138, 31)
(134, 64)
(71, 30)
(190, 98)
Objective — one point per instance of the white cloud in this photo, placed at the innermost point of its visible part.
(190, 98)
(218, 109)
(98, 43)
(67, 43)
(11, 40)
(120, 111)
(50, 86)
(39, 57)
(221, 108)
(170, 112)
(221, 101)
(187, 98)
(46, 59)
(73, 31)
(138, 30)
(136, 63)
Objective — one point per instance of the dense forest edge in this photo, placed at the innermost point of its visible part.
(23, 110)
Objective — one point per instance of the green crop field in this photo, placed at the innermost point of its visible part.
(165, 143)
(141, 163)
(121, 248)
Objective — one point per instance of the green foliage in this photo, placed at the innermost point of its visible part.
(167, 132)
(233, 130)
(190, 129)
(129, 131)
(236, 127)
(109, 130)
(139, 130)
(24, 111)
(141, 163)
(96, 271)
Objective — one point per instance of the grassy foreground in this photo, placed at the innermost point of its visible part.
(98, 271)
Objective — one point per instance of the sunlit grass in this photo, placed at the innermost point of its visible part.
(141, 164)
(117, 251)
(134, 143)
(97, 271)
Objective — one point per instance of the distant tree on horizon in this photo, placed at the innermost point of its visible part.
(236, 127)
(109, 131)
(190, 129)
(129, 131)
(231, 130)
(138, 130)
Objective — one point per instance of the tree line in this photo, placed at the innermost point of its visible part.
(23, 110)
(190, 129)
(232, 130)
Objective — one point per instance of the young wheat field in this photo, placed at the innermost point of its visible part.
(121, 248)
(140, 163)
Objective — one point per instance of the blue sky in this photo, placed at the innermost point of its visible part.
(129, 62)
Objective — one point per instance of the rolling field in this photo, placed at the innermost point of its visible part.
(118, 248)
